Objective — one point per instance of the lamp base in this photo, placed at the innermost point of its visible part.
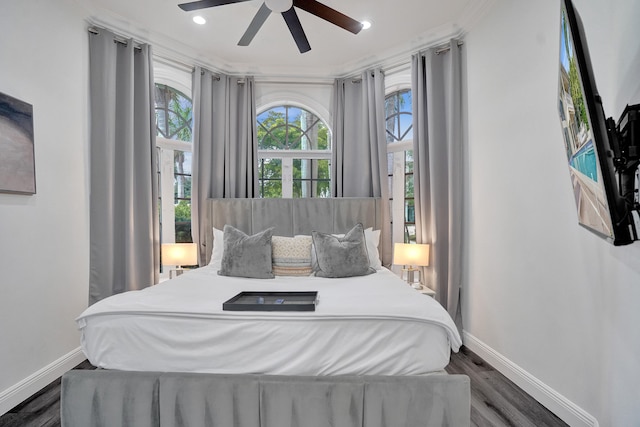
(175, 273)
(410, 275)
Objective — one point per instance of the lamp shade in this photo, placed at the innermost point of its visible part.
(179, 254)
(411, 254)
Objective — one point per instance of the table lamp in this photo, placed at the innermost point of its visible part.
(179, 254)
(411, 255)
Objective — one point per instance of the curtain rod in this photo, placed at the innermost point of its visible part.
(216, 77)
(265, 81)
(403, 60)
(447, 48)
(359, 79)
(407, 63)
(117, 39)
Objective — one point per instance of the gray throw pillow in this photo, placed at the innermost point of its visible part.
(246, 256)
(342, 256)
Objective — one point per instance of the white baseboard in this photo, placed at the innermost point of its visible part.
(566, 410)
(18, 393)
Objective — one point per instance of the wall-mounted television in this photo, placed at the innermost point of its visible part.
(606, 205)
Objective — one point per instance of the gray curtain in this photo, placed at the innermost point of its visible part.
(359, 158)
(225, 146)
(124, 230)
(437, 145)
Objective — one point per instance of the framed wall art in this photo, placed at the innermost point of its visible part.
(17, 159)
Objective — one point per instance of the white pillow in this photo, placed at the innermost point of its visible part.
(373, 241)
(218, 249)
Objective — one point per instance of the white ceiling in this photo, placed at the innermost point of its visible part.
(399, 28)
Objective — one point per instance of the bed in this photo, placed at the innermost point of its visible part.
(372, 353)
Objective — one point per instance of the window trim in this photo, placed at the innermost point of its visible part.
(294, 154)
(394, 147)
(173, 144)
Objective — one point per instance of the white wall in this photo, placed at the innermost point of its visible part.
(315, 96)
(541, 294)
(44, 238)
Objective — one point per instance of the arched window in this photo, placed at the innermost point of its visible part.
(294, 152)
(174, 135)
(399, 127)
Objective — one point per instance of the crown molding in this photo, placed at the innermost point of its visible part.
(186, 56)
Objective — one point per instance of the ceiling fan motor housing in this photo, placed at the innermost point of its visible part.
(279, 5)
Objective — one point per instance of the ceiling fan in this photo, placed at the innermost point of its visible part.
(286, 8)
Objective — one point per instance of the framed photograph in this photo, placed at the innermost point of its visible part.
(17, 160)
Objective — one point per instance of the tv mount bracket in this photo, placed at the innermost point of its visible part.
(625, 144)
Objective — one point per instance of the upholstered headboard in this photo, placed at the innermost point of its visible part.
(291, 217)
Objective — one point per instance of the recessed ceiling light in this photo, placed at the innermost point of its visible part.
(366, 25)
(199, 20)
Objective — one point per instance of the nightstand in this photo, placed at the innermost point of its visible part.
(427, 291)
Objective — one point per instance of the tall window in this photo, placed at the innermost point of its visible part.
(399, 126)
(294, 154)
(174, 135)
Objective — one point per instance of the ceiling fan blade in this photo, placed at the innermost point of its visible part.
(293, 22)
(203, 4)
(256, 24)
(328, 14)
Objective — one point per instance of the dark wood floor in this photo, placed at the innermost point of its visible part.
(495, 401)
(40, 410)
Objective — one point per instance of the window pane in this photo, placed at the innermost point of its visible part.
(270, 178)
(409, 211)
(293, 115)
(324, 140)
(182, 174)
(408, 186)
(398, 116)
(391, 129)
(182, 187)
(311, 178)
(174, 113)
(390, 105)
(409, 233)
(408, 161)
(183, 221)
(406, 126)
(405, 101)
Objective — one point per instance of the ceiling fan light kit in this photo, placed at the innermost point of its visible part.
(287, 9)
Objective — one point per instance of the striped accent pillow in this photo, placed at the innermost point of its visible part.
(291, 255)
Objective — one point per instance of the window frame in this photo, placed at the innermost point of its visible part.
(287, 156)
(167, 173)
(398, 149)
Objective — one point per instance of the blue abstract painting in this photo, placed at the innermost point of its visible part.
(17, 160)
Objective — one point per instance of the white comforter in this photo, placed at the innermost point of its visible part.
(369, 325)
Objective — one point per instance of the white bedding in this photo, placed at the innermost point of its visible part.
(369, 325)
